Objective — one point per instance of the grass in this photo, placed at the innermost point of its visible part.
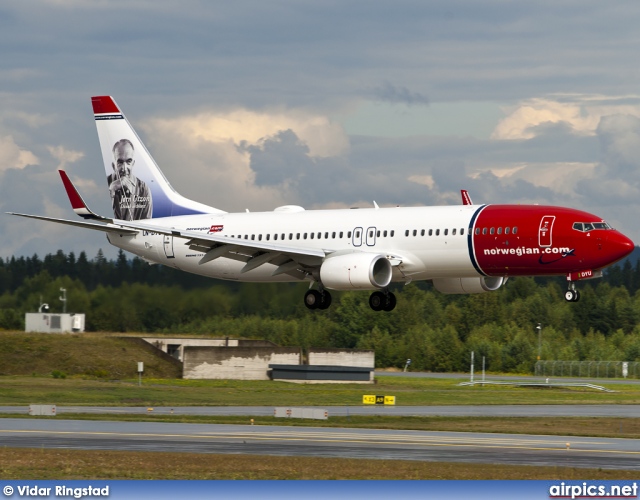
(89, 354)
(21, 390)
(42, 464)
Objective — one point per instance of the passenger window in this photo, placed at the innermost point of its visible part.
(461, 231)
(515, 230)
(506, 230)
(492, 230)
(446, 231)
(275, 236)
(326, 236)
(267, 237)
(282, 238)
(415, 232)
(484, 230)
(422, 233)
(349, 234)
(437, 232)
(392, 232)
(333, 235)
(378, 234)
(305, 236)
(340, 234)
(290, 236)
(385, 233)
(253, 237)
(297, 236)
(406, 233)
(477, 230)
(430, 232)
(319, 235)
(453, 232)
(499, 230)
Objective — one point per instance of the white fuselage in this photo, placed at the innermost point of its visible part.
(436, 245)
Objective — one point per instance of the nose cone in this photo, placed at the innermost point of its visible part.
(619, 246)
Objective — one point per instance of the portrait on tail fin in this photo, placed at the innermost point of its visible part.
(130, 196)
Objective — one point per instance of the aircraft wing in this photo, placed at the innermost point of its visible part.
(289, 259)
(87, 225)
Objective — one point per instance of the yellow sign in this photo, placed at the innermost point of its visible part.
(378, 400)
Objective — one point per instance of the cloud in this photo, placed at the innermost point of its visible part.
(580, 115)
(243, 158)
(64, 156)
(398, 95)
(14, 157)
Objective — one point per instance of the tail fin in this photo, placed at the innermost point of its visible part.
(138, 188)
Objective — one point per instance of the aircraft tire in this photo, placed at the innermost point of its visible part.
(312, 299)
(377, 301)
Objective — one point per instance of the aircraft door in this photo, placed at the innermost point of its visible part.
(544, 233)
(357, 237)
(168, 246)
(371, 236)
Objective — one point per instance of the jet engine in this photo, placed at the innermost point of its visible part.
(356, 271)
(469, 285)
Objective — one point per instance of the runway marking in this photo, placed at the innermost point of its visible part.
(446, 441)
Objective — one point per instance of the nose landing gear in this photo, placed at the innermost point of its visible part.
(572, 295)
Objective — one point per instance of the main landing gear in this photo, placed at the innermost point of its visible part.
(378, 301)
(315, 299)
(382, 301)
(572, 295)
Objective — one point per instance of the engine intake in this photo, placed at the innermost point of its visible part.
(356, 271)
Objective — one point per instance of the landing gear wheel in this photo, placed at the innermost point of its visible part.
(572, 295)
(325, 300)
(377, 301)
(390, 302)
(312, 299)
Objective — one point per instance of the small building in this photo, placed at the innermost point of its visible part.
(54, 323)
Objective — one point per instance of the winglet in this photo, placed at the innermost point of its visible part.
(466, 199)
(77, 203)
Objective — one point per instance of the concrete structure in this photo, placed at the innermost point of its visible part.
(238, 363)
(342, 357)
(54, 323)
(175, 346)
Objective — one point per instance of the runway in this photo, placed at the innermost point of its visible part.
(605, 453)
(615, 411)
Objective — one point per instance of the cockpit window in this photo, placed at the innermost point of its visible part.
(590, 226)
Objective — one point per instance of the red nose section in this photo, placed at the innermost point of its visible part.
(619, 246)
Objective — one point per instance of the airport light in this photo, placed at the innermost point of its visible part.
(539, 328)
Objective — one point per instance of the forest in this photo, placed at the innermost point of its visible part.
(436, 331)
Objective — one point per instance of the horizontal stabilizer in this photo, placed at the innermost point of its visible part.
(87, 225)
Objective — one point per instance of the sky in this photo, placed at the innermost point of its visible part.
(325, 104)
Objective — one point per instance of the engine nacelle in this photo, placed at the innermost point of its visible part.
(356, 271)
(469, 285)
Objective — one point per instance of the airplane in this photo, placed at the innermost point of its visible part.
(461, 249)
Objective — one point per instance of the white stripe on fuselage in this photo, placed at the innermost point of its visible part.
(424, 257)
